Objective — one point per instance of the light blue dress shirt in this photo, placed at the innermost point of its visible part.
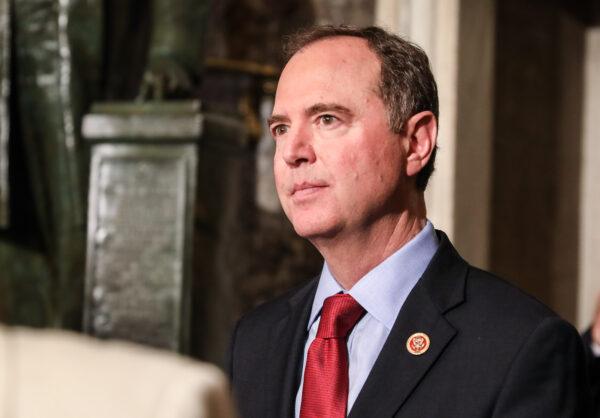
(382, 292)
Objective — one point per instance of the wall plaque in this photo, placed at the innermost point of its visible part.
(141, 196)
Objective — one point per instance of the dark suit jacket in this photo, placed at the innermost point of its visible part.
(594, 369)
(495, 352)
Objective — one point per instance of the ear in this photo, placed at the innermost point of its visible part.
(421, 134)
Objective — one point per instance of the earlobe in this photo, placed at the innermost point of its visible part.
(421, 132)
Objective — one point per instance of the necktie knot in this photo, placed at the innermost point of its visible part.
(339, 315)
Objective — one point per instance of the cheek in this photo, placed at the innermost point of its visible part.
(363, 166)
(348, 162)
(375, 172)
(279, 174)
(349, 171)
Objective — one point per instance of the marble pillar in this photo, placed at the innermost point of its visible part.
(589, 230)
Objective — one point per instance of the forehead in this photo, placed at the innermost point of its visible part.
(344, 48)
(334, 65)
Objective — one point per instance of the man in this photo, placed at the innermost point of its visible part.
(415, 331)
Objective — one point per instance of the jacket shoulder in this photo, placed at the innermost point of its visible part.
(501, 318)
(500, 298)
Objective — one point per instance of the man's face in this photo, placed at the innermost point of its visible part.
(338, 167)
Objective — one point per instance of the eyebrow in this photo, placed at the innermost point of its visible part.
(311, 111)
(327, 107)
(277, 118)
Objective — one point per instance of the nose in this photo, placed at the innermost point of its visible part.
(298, 147)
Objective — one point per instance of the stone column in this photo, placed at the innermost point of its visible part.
(458, 36)
(589, 225)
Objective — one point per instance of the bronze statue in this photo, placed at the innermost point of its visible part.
(66, 54)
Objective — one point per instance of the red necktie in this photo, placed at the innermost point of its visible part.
(325, 390)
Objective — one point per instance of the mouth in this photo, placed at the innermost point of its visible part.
(306, 189)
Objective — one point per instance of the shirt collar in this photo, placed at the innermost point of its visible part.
(383, 290)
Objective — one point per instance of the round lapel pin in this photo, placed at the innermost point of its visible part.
(418, 343)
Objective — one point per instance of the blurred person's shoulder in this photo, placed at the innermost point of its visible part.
(120, 377)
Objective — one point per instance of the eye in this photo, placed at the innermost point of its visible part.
(327, 119)
(278, 130)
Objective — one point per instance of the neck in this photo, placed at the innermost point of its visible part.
(352, 256)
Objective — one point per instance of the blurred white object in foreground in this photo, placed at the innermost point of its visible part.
(59, 374)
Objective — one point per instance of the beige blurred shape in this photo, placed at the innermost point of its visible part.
(48, 374)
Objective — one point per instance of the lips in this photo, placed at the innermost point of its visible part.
(305, 189)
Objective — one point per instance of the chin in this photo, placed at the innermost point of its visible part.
(315, 230)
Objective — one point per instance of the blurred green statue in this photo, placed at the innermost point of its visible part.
(63, 55)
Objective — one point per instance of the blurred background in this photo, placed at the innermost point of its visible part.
(136, 191)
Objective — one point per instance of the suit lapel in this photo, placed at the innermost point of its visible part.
(286, 345)
(396, 372)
